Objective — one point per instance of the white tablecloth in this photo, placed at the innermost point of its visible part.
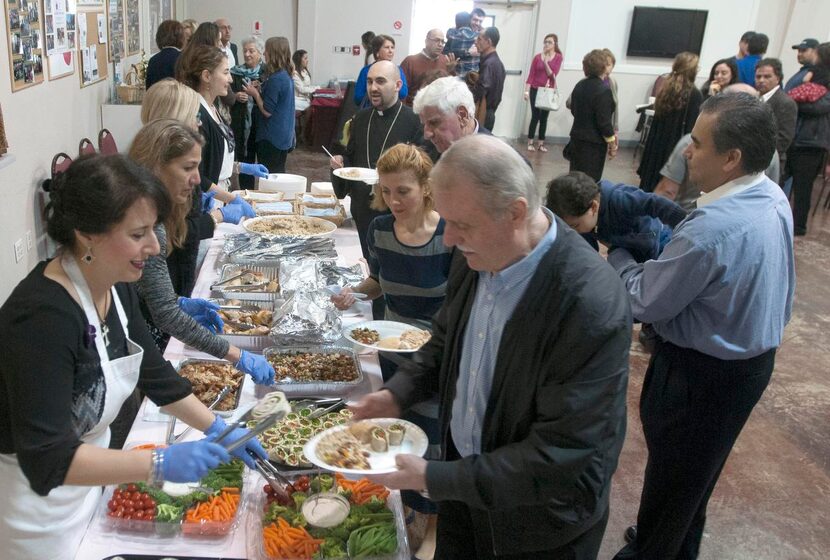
(98, 544)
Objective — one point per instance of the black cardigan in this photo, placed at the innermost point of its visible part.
(51, 383)
(555, 419)
(592, 105)
(213, 151)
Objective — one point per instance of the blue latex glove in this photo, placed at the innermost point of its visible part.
(207, 201)
(232, 213)
(255, 169)
(247, 210)
(252, 444)
(257, 366)
(204, 312)
(190, 461)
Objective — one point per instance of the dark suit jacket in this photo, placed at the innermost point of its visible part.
(786, 113)
(592, 105)
(235, 52)
(555, 419)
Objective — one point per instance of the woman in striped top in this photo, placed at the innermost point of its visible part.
(408, 261)
(408, 266)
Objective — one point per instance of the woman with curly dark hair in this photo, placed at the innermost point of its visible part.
(675, 111)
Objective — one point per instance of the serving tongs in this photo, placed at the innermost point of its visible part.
(321, 411)
(176, 439)
(272, 476)
(242, 422)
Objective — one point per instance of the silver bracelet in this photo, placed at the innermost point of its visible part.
(156, 477)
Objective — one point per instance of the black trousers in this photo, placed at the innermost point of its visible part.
(490, 119)
(693, 407)
(271, 157)
(804, 164)
(587, 157)
(456, 539)
(537, 116)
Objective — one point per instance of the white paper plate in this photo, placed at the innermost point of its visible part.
(385, 329)
(364, 174)
(414, 441)
(327, 226)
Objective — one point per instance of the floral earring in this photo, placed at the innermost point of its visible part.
(88, 257)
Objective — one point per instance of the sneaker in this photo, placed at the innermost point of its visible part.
(531, 147)
(542, 148)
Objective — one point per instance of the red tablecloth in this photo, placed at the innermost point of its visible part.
(324, 112)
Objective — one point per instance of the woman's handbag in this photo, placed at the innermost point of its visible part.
(807, 93)
(547, 99)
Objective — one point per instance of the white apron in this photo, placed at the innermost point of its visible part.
(32, 526)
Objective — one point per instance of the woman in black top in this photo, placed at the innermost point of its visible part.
(592, 105)
(75, 346)
(170, 40)
(675, 112)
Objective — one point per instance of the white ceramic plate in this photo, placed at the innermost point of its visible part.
(385, 329)
(364, 174)
(326, 226)
(414, 441)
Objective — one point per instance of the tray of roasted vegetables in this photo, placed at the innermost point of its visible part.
(209, 508)
(373, 527)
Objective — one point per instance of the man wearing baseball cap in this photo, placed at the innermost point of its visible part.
(807, 57)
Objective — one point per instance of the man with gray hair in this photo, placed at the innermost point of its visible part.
(225, 39)
(719, 297)
(530, 363)
(447, 112)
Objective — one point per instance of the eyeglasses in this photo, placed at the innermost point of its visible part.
(438, 40)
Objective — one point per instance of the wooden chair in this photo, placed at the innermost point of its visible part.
(86, 147)
(106, 143)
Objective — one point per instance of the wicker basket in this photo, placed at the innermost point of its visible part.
(337, 219)
(131, 91)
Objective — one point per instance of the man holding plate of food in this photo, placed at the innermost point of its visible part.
(529, 358)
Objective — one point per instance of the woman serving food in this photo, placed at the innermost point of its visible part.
(75, 347)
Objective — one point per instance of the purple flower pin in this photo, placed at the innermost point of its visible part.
(89, 336)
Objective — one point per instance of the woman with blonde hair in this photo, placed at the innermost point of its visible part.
(675, 111)
(408, 261)
(169, 99)
(408, 266)
(189, 26)
(275, 101)
(172, 151)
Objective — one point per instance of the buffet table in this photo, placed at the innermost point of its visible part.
(150, 425)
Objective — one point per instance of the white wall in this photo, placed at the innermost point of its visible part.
(325, 24)
(583, 26)
(277, 17)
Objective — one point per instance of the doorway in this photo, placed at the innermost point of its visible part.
(517, 29)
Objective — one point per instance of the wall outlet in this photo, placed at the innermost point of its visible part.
(29, 241)
(18, 250)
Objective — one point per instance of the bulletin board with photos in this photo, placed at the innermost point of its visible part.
(60, 38)
(131, 20)
(117, 31)
(159, 11)
(25, 40)
(92, 44)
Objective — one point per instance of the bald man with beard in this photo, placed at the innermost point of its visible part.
(373, 130)
(428, 64)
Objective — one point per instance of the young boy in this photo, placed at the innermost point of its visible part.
(618, 215)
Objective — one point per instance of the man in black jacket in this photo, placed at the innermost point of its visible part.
(529, 357)
(374, 129)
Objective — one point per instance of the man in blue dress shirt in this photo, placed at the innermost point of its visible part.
(529, 357)
(719, 297)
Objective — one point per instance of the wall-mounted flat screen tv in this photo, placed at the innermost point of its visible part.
(664, 32)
